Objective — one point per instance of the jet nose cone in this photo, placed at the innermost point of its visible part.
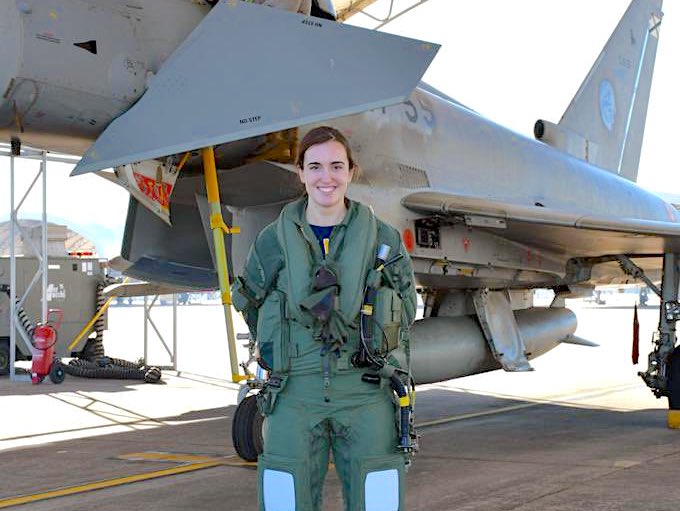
(10, 34)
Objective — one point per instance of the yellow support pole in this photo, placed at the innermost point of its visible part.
(219, 229)
(90, 323)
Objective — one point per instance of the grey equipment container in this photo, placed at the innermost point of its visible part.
(72, 287)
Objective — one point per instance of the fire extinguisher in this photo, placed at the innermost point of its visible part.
(44, 340)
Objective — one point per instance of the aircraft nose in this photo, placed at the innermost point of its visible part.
(10, 47)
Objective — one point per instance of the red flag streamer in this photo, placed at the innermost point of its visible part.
(636, 337)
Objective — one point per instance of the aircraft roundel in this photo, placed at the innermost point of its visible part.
(607, 104)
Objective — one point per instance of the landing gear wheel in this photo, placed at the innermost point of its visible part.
(246, 429)
(57, 373)
(674, 380)
(258, 441)
(4, 357)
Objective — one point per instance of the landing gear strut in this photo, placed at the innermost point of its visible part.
(663, 371)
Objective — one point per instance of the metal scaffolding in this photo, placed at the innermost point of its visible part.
(40, 252)
(149, 302)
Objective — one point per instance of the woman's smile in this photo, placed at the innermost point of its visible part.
(326, 173)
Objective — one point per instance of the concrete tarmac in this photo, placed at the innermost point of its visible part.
(580, 432)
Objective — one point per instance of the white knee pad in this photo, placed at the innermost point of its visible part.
(381, 490)
(283, 484)
(278, 490)
(378, 483)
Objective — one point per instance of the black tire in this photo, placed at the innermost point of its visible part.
(674, 380)
(57, 373)
(246, 429)
(258, 440)
(4, 356)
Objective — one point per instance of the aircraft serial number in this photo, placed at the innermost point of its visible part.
(422, 111)
(312, 23)
(248, 120)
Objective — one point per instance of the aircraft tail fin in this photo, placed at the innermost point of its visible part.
(605, 121)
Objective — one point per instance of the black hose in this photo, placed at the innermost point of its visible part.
(87, 369)
(404, 411)
(24, 321)
(112, 369)
(92, 362)
(364, 357)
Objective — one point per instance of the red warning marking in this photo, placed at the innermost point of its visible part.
(408, 239)
(156, 191)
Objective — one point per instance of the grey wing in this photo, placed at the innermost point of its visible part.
(247, 70)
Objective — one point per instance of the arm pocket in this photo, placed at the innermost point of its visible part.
(388, 317)
(272, 331)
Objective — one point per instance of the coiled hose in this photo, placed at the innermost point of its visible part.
(24, 321)
(112, 369)
(92, 361)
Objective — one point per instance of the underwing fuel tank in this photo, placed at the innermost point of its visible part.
(443, 348)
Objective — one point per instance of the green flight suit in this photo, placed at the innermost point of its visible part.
(316, 400)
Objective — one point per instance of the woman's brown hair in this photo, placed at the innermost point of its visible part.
(320, 135)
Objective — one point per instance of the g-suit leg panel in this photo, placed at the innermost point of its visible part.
(293, 466)
(371, 471)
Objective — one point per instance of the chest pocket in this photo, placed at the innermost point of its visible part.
(387, 314)
(273, 331)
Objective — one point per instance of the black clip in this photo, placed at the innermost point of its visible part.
(371, 378)
(274, 381)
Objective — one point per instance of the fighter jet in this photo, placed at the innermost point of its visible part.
(482, 210)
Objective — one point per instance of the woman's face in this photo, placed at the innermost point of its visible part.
(325, 173)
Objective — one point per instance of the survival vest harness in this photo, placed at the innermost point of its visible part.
(288, 281)
(323, 294)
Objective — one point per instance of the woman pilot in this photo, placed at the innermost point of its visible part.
(328, 292)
